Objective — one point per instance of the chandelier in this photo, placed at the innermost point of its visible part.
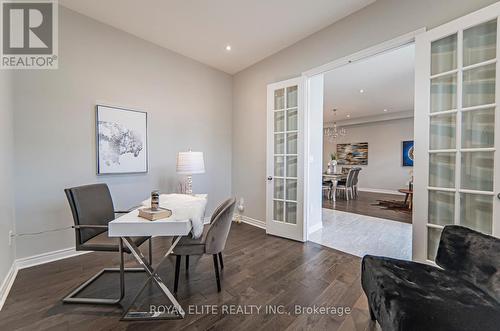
(333, 132)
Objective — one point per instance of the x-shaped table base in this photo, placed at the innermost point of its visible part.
(177, 312)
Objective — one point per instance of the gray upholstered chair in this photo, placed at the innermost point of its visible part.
(347, 187)
(355, 182)
(211, 242)
(92, 209)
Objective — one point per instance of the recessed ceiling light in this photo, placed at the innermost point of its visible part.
(361, 91)
(385, 110)
(228, 48)
(348, 115)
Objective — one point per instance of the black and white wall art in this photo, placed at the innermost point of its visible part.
(122, 144)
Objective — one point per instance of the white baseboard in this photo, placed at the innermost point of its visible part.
(7, 283)
(377, 190)
(252, 221)
(315, 228)
(34, 260)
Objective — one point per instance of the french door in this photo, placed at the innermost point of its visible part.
(285, 159)
(457, 129)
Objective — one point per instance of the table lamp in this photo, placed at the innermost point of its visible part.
(190, 163)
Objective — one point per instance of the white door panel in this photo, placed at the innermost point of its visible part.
(285, 159)
(457, 129)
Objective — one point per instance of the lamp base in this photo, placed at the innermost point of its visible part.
(189, 185)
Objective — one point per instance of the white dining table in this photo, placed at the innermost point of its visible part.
(131, 225)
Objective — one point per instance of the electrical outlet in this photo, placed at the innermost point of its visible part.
(11, 235)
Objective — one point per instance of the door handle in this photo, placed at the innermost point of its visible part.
(271, 178)
(498, 196)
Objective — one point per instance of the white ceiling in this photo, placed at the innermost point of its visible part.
(201, 29)
(387, 80)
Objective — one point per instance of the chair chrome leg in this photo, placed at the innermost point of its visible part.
(216, 267)
(71, 298)
(150, 257)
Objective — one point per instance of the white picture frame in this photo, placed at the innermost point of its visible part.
(121, 140)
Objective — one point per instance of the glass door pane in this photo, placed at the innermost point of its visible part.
(441, 207)
(442, 170)
(476, 211)
(477, 171)
(478, 128)
(444, 55)
(444, 93)
(433, 236)
(279, 99)
(479, 86)
(480, 43)
(442, 132)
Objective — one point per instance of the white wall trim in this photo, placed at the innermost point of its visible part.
(7, 283)
(32, 261)
(47, 257)
(315, 227)
(378, 190)
(253, 222)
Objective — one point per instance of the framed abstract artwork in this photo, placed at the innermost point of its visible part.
(408, 153)
(352, 154)
(122, 140)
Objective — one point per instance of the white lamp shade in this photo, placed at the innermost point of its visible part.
(190, 163)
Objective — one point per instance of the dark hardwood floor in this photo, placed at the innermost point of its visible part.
(366, 204)
(259, 270)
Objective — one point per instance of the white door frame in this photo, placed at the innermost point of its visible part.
(312, 106)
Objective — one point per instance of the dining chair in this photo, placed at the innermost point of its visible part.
(355, 182)
(92, 209)
(327, 187)
(213, 241)
(347, 187)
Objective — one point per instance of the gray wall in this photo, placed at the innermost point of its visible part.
(379, 22)
(384, 170)
(6, 162)
(188, 104)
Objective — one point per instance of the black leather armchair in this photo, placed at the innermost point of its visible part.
(464, 294)
(92, 209)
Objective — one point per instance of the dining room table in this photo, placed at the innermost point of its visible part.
(334, 178)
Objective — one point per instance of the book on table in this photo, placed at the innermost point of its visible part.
(153, 215)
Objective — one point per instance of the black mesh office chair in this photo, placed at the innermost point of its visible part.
(92, 208)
